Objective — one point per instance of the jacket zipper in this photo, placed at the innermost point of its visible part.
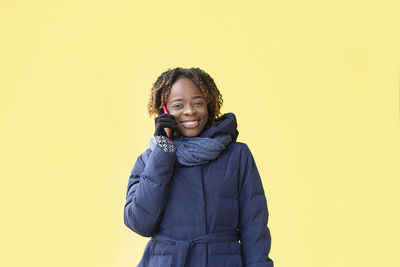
(205, 209)
(204, 198)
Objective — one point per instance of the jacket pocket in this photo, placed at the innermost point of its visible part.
(159, 261)
(153, 256)
(231, 260)
(225, 254)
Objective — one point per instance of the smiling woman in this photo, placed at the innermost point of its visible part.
(199, 196)
(187, 104)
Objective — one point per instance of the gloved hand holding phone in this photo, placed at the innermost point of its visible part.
(163, 121)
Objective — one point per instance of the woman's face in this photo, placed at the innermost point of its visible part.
(187, 104)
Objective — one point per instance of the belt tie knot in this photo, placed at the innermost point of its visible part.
(184, 247)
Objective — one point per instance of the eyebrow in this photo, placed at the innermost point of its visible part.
(181, 99)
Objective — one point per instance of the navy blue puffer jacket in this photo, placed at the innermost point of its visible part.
(213, 214)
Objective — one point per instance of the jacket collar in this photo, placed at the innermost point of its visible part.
(226, 124)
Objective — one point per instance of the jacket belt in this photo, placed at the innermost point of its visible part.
(184, 247)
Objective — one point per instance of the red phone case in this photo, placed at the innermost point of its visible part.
(167, 130)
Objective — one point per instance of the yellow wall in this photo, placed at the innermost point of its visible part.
(314, 84)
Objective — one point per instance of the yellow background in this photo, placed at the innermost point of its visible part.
(314, 85)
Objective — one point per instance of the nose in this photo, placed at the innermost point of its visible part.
(189, 110)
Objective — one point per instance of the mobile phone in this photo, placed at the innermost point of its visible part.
(168, 131)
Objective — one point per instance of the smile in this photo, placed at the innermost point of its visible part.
(190, 124)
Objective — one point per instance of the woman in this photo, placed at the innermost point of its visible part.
(199, 196)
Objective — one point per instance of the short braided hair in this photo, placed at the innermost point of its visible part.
(162, 88)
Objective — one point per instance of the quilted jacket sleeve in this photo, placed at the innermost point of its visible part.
(147, 191)
(253, 217)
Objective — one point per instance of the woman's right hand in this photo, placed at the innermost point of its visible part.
(164, 121)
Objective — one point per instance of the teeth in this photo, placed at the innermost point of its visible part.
(190, 122)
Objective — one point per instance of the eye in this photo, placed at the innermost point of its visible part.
(198, 104)
(177, 106)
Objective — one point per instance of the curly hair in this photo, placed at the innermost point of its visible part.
(162, 88)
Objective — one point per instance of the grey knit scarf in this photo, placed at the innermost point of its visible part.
(191, 151)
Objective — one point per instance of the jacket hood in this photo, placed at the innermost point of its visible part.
(226, 124)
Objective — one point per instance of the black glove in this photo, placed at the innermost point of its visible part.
(164, 121)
